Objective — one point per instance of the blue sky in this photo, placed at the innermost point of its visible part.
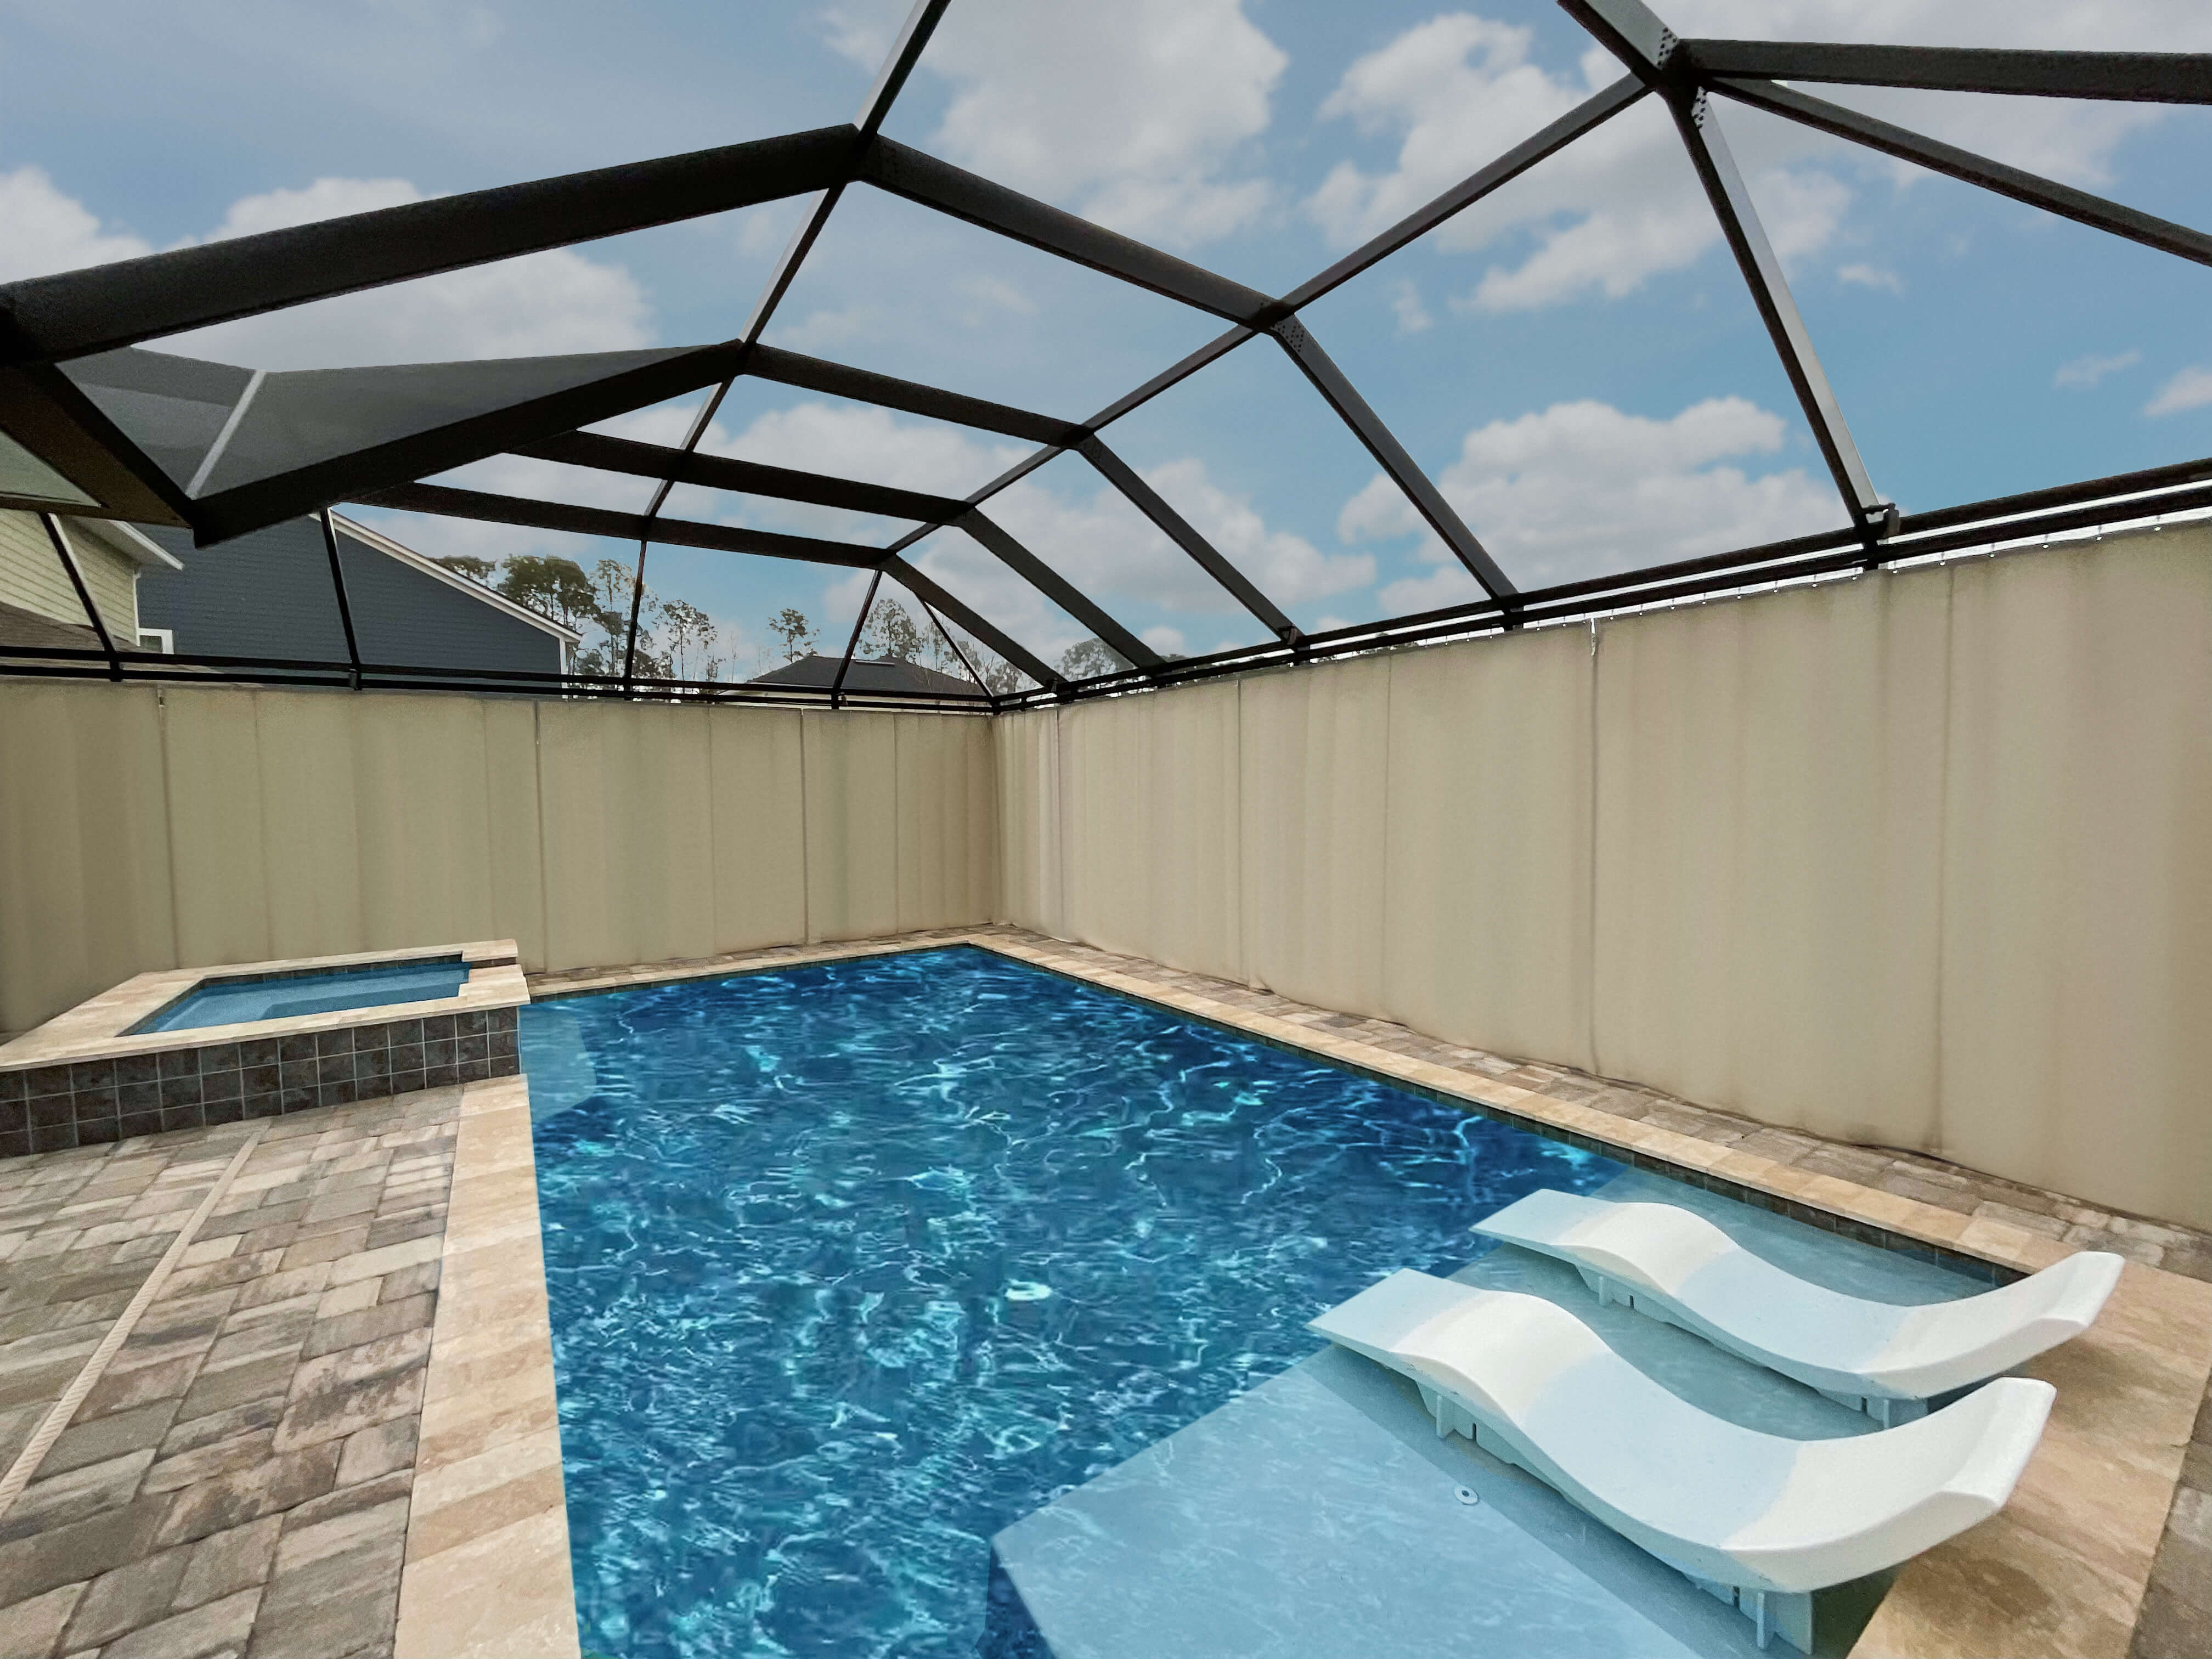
(1576, 361)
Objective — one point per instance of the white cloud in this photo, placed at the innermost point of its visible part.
(1406, 304)
(1582, 488)
(1609, 213)
(48, 231)
(543, 303)
(2190, 389)
(2082, 373)
(1139, 114)
(1621, 205)
(1865, 276)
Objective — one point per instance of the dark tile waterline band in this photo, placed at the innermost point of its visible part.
(89, 1102)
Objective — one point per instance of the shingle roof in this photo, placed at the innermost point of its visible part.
(878, 674)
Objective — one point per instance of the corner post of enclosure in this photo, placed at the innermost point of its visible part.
(83, 594)
(345, 608)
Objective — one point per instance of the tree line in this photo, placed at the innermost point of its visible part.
(676, 640)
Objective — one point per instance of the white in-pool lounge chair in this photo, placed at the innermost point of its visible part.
(1874, 1357)
(1762, 1520)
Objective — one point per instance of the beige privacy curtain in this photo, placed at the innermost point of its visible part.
(148, 829)
(1923, 859)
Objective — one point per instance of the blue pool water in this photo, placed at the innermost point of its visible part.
(237, 1001)
(854, 1265)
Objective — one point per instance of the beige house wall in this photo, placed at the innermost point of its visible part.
(144, 828)
(1921, 861)
(31, 577)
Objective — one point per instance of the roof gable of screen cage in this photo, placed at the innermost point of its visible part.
(99, 424)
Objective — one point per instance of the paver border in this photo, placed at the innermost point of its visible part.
(487, 1569)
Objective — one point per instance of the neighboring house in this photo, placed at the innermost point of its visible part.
(269, 594)
(39, 604)
(880, 674)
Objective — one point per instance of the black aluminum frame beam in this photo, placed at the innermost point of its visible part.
(82, 312)
(953, 191)
(1652, 51)
(644, 460)
(1964, 164)
(2147, 77)
(930, 593)
(1299, 343)
(1186, 535)
(994, 539)
(62, 551)
(1778, 308)
(863, 385)
(443, 500)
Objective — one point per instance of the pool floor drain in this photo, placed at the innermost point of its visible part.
(1468, 1495)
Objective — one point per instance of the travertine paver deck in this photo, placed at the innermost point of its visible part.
(237, 1481)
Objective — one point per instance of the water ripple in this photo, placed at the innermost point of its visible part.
(854, 1265)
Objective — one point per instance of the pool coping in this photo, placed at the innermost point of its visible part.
(486, 1572)
(2063, 1569)
(98, 1028)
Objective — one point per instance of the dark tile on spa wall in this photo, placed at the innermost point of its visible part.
(180, 1117)
(341, 1093)
(300, 1073)
(334, 1068)
(221, 1085)
(474, 1048)
(46, 1080)
(220, 1057)
(437, 1027)
(179, 1063)
(47, 1111)
(404, 1031)
(439, 1077)
(262, 1103)
(333, 1042)
(469, 1021)
(98, 1132)
(178, 1092)
(223, 1111)
(263, 1079)
(59, 1138)
(92, 1074)
(14, 1142)
(406, 1056)
(438, 1052)
(294, 1098)
(138, 1068)
(258, 1051)
(93, 1104)
(406, 1081)
(13, 1085)
(15, 1116)
(298, 1046)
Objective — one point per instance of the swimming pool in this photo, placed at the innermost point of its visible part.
(284, 996)
(853, 1265)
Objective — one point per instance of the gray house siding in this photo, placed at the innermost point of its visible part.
(268, 594)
